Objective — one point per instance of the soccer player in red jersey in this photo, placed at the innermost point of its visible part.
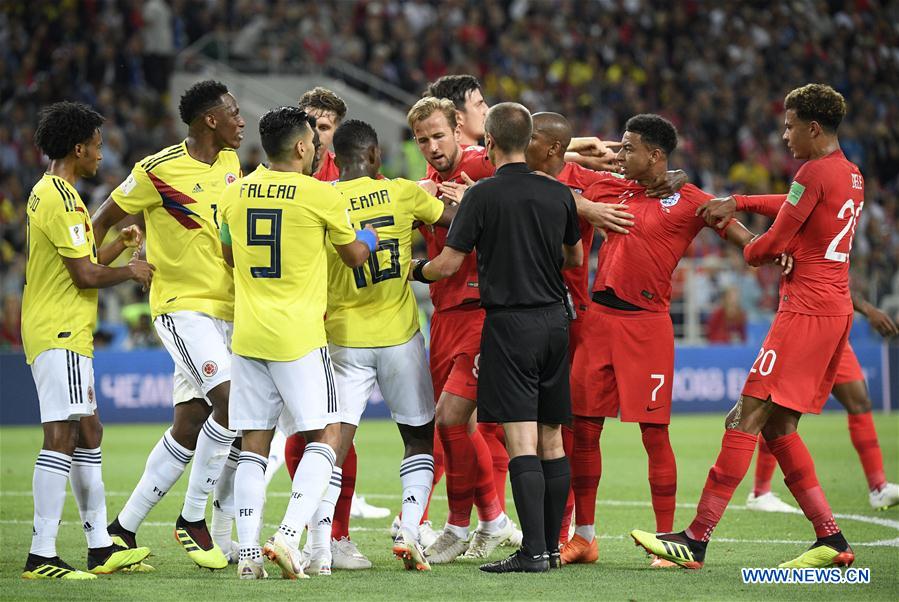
(849, 386)
(546, 153)
(796, 367)
(630, 364)
(328, 110)
(455, 345)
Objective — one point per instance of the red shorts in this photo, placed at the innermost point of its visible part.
(575, 343)
(849, 369)
(625, 363)
(455, 347)
(798, 362)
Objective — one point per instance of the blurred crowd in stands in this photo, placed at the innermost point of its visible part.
(718, 70)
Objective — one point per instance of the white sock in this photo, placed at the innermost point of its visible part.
(319, 538)
(416, 476)
(275, 456)
(249, 490)
(165, 465)
(460, 532)
(86, 478)
(309, 484)
(209, 459)
(48, 488)
(492, 526)
(588, 532)
(223, 502)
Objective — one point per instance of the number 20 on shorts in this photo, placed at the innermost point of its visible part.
(764, 363)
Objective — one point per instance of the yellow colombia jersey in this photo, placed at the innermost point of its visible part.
(55, 313)
(278, 224)
(373, 305)
(179, 197)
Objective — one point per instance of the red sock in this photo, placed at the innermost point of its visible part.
(799, 475)
(485, 498)
(662, 474)
(864, 439)
(459, 460)
(586, 468)
(341, 525)
(568, 445)
(495, 438)
(293, 453)
(765, 463)
(733, 461)
(439, 467)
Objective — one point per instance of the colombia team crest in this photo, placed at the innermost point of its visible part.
(230, 177)
(209, 369)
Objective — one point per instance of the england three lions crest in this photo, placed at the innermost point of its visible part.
(670, 201)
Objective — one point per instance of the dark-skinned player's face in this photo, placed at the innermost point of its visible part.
(634, 156)
(538, 150)
(228, 122)
(88, 155)
(437, 141)
(797, 135)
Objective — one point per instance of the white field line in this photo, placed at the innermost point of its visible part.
(871, 520)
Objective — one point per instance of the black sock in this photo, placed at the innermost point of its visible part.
(557, 477)
(837, 541)
(526, 475)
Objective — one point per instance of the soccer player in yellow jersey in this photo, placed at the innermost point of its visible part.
(59, 312)
(177, 190)
(373, 333)
(276, 224)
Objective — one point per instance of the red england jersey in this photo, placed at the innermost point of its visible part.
(578, 279)
(327, 171)
(815, 225)
(638, 266)
(462, 287)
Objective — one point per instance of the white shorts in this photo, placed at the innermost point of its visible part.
(298, 395)
(200, 346)
(401, 372)
(65, 385)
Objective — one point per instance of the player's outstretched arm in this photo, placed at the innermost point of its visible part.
(881, 322)
(87, 274)
(356, 253)
(604, 216)
(106, 217)
(443, 266)
(717, 212)
(771, 245)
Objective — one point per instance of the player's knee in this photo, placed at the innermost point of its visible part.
(858, 404)
(654, 434)
(90, 434)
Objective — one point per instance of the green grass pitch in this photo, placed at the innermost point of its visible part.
(744, 539)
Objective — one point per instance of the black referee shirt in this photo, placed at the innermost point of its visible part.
(518, 221)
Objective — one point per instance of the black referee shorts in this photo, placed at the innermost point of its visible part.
(524, 368)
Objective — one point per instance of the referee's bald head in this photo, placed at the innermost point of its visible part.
(509, 125)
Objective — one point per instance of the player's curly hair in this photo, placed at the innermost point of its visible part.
(62, 125)
(654, 130)
(322, 99)
(354, 136)
(280, 128)
(429, 105)
(455, 87)
(817, 102)
(199, 98)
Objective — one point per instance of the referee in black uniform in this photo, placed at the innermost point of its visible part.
(525, 228)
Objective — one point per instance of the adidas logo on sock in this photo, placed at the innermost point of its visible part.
(198, 188)
(410, 500)
(87, 526)
(324, 521)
